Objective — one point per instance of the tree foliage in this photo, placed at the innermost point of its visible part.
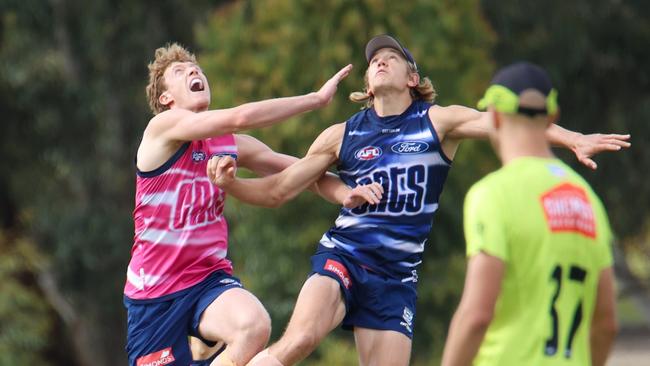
(72, 95)
(72, 82)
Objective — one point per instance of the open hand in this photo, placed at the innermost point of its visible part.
(221, 170)
(587, 146)
(361, 194)
(327, 91)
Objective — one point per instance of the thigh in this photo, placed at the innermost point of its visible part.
(319, 308)
(233, 310)
(382, 347)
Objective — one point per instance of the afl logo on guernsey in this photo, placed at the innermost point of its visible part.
(410, 147)
(368, 153)
(198, 155)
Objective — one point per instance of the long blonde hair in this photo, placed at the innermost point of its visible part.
(165, 56)
(423, 91)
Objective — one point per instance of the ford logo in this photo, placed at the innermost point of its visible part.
(410, 147)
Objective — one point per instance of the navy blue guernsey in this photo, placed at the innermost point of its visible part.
(404, 155)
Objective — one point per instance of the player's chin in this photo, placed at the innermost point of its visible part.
(201, 100)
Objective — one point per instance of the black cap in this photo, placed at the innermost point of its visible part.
(510, 81)
(384, 41)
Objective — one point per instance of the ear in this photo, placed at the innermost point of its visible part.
(554, 117)
(496, 121)
(414, 80)
(165, 98)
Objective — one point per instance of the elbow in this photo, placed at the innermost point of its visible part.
(604, 329)
(480, 321)
(608, 327)
(477, 320)
(612, 327)
(273, 202)
(276, 199)
(241, 120)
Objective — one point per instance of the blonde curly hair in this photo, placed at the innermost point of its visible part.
(424, 91)
(165, 56)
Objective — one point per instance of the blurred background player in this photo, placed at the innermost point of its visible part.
(539, 288)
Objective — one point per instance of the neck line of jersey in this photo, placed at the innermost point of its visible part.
(387, 120)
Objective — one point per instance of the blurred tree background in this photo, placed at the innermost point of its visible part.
(72, 98)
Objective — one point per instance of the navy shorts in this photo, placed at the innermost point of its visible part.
(158, 329)
(372, 300)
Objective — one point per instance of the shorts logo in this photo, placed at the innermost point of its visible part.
(407, 315)
(198, 156)
(229, 281)
(410, 147)
(368, 153)
(567, 209)
(158, 358)
(338, 269)
(413, 278)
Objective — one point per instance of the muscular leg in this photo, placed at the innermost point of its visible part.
(319, 309)
(201, 351)
(382, 347)
(239, 319)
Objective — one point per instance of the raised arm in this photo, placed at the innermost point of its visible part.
(184, 125)
(458, 123)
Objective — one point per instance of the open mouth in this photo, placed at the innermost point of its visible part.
(196, 85)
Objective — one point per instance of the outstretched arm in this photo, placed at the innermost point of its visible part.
(254, 155)
(274, 190)
(184, 125)
(586, 146)
(458, 122)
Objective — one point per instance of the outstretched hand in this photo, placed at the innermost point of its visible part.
(586, 146)
(327, 91)
(361, 194)
(221, 170)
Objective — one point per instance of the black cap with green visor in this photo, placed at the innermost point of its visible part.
(511, 81)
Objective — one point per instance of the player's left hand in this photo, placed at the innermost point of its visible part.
(361, 194)
(327, 91)
(586, 146)
(221, 170)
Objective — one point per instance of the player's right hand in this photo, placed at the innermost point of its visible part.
(327, 91)
(370, 193)
(221, 170)
(586, 146)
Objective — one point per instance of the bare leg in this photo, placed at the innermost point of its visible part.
(319, 309)
(240, 320)
(382, 347)
(201, 351)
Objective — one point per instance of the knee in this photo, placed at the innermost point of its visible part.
(302, 341)
(257, 329)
